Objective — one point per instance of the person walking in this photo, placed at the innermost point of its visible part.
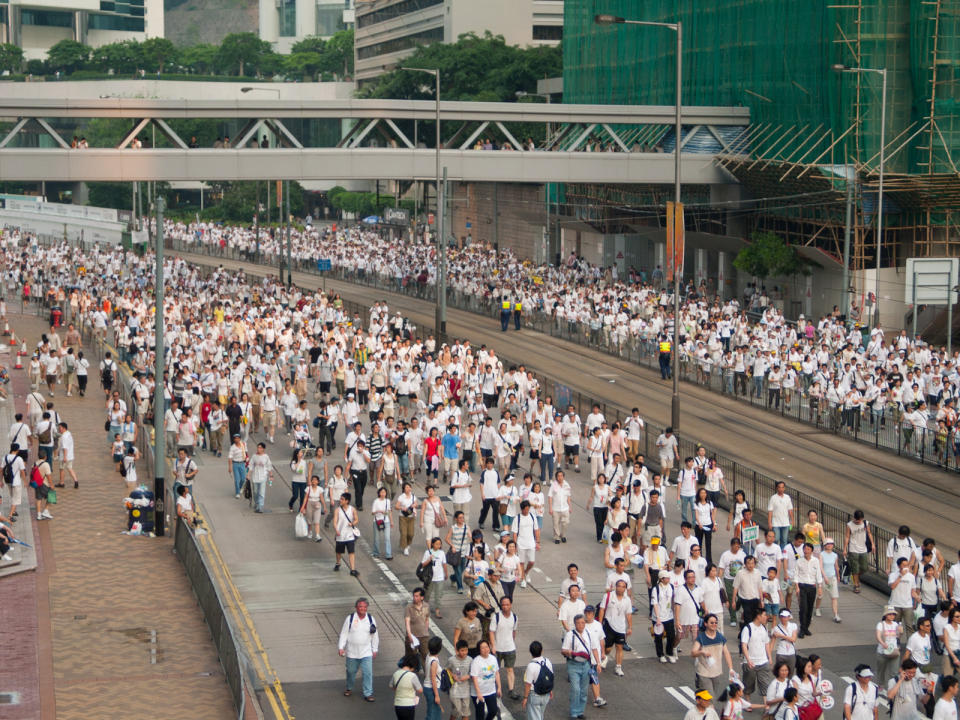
(406, 687)
(485, 677)
(237, 463)
(580, 661)
(537, 683)
(298, 479)
(431, 679)
(261, 474)
(359, 643)
(66, 453)
(808, 586)
(313, 508)
(346, 522)
(709, 654)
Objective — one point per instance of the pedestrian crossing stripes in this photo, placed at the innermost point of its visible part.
(684, 695)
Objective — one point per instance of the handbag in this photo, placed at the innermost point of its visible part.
(51, 497)
(247, 490)
(502, 508)
(811, 711)
(453, 557)
(439, 519)
(106, 426)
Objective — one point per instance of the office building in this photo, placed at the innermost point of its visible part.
(389, 30)
(285, 22)
(38, 25)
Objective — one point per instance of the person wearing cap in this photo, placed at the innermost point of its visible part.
(703, 710)
(488, 595)
(888, 634)
(784, 634)
(661, 614)
(860, 699)
(655, 562)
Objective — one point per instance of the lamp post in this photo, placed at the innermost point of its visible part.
(441, 311)
(882, 72)
(677, 27)
(546, 186)
(159, 409)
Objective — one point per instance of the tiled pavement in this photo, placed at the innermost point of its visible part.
(127, 637)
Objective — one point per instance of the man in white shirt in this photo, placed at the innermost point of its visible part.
(17, 472)
(171, 423)
(809, 586)
(359, 643)
(489, 489)
(572, 606)
(503, 636)
(687, 490)
(558, 505)
(527, 536)
(680, 549)
(780, 514)
(861, 696)
(755, 654)
(946, 707)
(535, 703)
(66, 451)
(903, 593)
(953, 581)
(617, 621)
(768, 554)
(573, 578)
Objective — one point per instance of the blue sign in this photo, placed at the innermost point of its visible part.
(469, 224)
(324, 265)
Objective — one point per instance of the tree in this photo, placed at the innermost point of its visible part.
(67, 56)
(123, 58)
(768, 255)
(157, 54)
(201, 59)
(240, 52)
(338, 55)
(11, 58)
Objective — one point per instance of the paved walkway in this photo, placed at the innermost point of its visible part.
(124, 635)
(890, 489)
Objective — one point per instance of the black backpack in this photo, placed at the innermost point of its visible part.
(8, 471)
(400, 444)
(106, 374)
(543, 685)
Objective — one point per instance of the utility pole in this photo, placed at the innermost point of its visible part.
(846, 243)
(286, 193)
(159, 438)
(256, 221)
(442, 276)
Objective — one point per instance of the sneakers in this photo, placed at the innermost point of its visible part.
(733, 623)
(336, 568)
(663, 659)
(39, 516)
(8, 557)
(599, 702)
(320, 539)
(237, 496)
(47, 515)
(836, 619)
(818, 613)
(618, 671)
(672, 659)
(406, 551)
(523, 583)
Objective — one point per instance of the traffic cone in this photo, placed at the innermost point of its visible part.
(23, 349)
(6, 327)
(19, 365)
(13, 338)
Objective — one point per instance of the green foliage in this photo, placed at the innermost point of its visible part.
(110, 195)
(67, 56)
(11, 58)
(245, 52)
(473, 68)
(315, 57)
(360, 204)
(199, 59)
(157, 54)
(768, 255)
(123, 58)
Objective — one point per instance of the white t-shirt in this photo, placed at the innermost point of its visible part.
(503, 629)
(955, 574)
(438, 560)
(66, 446)
(485, 669)
(780, 507)
(768, 556)
(688, 601)
(755, 637)
(16, 466)
(532, 672)
(919, 648)
(945, 710)
(524, 526)
(900, 596)
(615, 611)
(861, 706)
(681, 546)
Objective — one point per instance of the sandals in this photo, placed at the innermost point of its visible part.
(347, 693)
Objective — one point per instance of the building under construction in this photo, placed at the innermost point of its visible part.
(812, 126)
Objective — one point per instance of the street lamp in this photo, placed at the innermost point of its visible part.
(248, 88)
(677, 27)
(882, 72)
(441, 313)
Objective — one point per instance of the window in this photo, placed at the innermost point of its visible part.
(548, 32)
(46, 18)
(401, 43)
(288, 18)
(394, 11)
(101, 21)
(329, 19)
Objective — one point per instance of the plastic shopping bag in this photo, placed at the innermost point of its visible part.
(300, 526)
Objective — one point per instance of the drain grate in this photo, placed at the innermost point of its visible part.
(9, 698)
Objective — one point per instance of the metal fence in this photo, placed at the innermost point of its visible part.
(883, 430)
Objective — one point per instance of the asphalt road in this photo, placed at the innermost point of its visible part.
(891, 490)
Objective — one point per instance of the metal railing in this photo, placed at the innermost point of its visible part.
(883, 430)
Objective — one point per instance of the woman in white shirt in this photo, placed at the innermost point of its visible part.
(458, 538)
(705, 515)
(382, 523)
(535, 498)
(313, 507)
(616, 516)
(547, 453)
(777, 687)
(712, 585)
(406, 504)
(714, 481)
(298, 479)
(888, 646)
(951, 640)
(511, 569)
(336, 486)
(599, 497)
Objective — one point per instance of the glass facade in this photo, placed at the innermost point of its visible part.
(401, 43)
(288, 18)
(548, 32)
(46, 18)
(394, 11)
(126, 23)
(330, 18)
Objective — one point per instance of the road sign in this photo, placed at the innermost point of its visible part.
(929, 281)
(396, 216)
(324, 265)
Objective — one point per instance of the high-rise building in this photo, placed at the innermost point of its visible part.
(37, 25)
(389, 30)
(284, 22)
(809, 119)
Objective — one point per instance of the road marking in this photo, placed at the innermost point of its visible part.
(688, 691)
(678, 696)
(545, 576)
(402, 591)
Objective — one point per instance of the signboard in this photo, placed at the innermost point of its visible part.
(430, 219)
(751, 533)
(929, 281)
(324, 265)
(469, 224)
(675, 239)
(396, 216)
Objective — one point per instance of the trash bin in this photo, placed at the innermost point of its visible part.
(141, 510)
(56, 316)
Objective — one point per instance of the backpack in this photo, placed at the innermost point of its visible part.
(444, 679)
(36, 479)
(106, 374)
(8, 471)
(45, 436)
(400, 444)
(543, 685)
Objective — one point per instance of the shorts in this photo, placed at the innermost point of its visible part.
(858, 562)
(117, 457)
(16, 494)
(772, 609)
(666, 461)
(41, 492)
(462, 707)
(612, 637)
(832, 587)
(66, 464)
(527, 555)
(346, 546)
(507, 659)
(571, 449)
(51, 379)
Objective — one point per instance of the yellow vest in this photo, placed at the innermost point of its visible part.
(517, 307)
(505, 305)
(665, 347)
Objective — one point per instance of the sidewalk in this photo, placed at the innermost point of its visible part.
(127, 637)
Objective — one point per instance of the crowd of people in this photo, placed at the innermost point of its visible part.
(378, 421)
(824, 369)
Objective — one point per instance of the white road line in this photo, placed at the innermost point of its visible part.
(545, 576)
(403, 594)
(679, 697)
(688, 691)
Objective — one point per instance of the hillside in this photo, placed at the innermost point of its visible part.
(188, 22)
